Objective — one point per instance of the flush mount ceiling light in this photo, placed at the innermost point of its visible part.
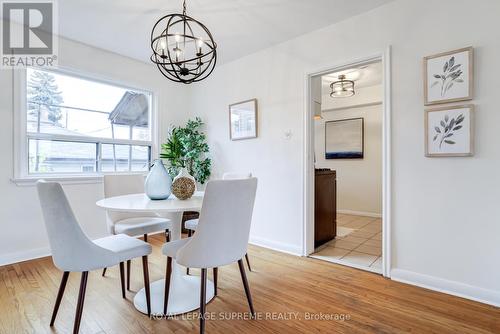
(342, 87)
(183, 48)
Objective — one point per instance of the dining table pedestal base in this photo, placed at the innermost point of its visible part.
(184, 296)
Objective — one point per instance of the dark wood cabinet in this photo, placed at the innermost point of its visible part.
(325, 206)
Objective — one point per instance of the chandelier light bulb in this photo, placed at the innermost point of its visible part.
(199, 42)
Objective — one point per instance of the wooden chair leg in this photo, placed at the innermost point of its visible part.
(248, 262)
(203, 299)
(190, 233)
(122, 278)
(216, 272)
(60, 294)
(168, 275)
(104, 272)
(81, 299)
(246, 286)
(145, 238)
(145, 271)
(167, 235)
(128, 274)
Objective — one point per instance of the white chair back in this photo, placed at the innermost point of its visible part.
(236, 176)
(119, 185)
(224, 225)
(71, 249)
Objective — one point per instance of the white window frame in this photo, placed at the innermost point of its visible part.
(21, 174)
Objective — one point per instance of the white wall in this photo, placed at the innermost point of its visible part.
(445, 216)
(359, 181)
(275, 160)
(23, 234)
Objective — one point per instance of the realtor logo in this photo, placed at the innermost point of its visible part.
(28, 34)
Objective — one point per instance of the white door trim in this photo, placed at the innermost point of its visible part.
(308, 156)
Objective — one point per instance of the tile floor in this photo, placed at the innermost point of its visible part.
(358, 242)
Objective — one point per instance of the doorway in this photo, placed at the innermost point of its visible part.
(347, 147)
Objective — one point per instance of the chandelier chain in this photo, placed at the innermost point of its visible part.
(184, 8)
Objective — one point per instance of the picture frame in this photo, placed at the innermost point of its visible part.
(449, 131)
(344, 138)
(243, 120)
(449, 76)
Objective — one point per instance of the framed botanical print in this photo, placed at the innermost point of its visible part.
(449, 131)
(243, 120)
(449, 76)
(344, 139)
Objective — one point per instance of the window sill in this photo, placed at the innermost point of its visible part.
(67, 179)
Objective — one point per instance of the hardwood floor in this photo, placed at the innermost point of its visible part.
(281, 285)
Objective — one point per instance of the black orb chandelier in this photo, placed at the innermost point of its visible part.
(342, 87)
(183, 48)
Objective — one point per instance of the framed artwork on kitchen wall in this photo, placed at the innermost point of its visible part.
(344, 139)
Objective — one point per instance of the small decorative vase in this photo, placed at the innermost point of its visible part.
(158, 183)
(184, 185)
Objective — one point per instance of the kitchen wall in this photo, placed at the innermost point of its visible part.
(445, 224)
(359, 181)
(23, 234)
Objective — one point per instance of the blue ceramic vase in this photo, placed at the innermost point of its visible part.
(158, 183)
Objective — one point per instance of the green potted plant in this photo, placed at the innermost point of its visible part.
(186, 147)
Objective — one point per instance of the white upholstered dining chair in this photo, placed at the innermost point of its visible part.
(192, 224)
(221, 237)
(129, 223)
(73, 251)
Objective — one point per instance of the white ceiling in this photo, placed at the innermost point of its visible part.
(240, 27)
(363, 76)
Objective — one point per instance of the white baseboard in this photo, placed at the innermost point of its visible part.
(481, 295)
(30, 254)
(277, 246)
(360, 213)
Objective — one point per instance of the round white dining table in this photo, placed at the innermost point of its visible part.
(184, 295)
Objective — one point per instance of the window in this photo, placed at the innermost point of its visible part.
(74, 125)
